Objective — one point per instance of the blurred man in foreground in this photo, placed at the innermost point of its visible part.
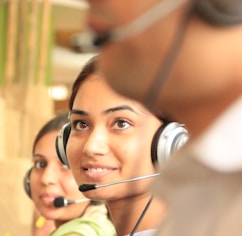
(183, 58)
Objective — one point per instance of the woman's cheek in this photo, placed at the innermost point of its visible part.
(71, 184)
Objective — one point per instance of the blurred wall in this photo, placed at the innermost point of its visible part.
(29, 33)
(15, 207)
(26, 41)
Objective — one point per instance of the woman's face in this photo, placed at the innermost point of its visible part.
(51, 179)
(110, 140)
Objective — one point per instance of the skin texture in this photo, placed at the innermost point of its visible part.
(106, 144)
(204, 70)
(51, 179)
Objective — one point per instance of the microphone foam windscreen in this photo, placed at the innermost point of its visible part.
(86, 187)
(59, 202)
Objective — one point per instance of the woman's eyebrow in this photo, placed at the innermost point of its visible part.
(35, 155)
(78, 112)
(119, 108)
(109, 110)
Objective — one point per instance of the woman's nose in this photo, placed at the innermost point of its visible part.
(96, 143)
(50, 175)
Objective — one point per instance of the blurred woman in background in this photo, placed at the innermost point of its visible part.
(48, 179)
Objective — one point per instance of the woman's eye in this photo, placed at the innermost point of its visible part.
(121, 124)
(40, 164)
(80, 125)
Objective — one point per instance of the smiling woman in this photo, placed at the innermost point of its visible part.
(109, 140)
(49, 180)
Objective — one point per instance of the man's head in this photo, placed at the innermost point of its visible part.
(204, 66)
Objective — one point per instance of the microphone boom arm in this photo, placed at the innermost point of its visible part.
(87, 187)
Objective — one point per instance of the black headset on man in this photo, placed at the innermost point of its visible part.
(220, 12)
(217, 12)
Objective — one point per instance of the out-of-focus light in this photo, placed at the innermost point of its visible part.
(58, 92)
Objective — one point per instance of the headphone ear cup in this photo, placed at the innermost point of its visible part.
(166, 140)
(61, 142)
(220, 12)
(27, 182)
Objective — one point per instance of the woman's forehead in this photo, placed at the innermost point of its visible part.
(95, 92)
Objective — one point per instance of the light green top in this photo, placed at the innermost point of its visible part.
(93, 223)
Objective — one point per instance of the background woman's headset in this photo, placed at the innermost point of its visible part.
(27, 182)
(168, 138)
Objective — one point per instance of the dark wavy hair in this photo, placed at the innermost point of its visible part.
(87, 70)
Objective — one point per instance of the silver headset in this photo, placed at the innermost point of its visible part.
(168, 138)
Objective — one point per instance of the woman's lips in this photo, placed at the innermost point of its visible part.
(97, 172)
(48, 198)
